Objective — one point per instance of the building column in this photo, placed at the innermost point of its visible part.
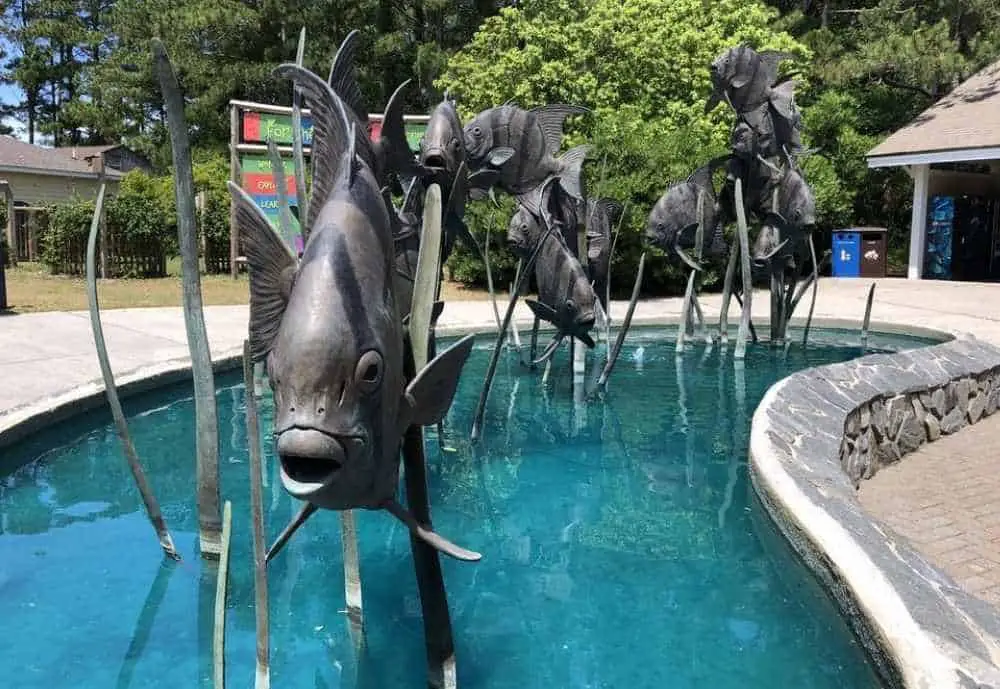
(918, 222)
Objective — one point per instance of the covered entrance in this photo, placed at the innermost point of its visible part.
(952, 153)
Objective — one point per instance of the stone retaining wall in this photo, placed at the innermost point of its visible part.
(882, 430)
(819, 432)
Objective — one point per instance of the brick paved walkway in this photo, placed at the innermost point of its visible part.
(945, 498)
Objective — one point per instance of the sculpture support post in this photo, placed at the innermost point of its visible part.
(209, 517)
(221, 590)
(727, 292)
(744, 242)
(121, 425)
(868, 317)
(262, 676)
(301, 196)
(815, 286)
(352, 575)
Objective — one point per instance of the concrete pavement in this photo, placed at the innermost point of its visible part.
(46, 354)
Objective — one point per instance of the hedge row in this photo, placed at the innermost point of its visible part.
(140, 218)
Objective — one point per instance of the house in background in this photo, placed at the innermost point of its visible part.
(109, 157)
(32, 177)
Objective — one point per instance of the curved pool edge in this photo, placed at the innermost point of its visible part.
(920, 628)
(23, 420)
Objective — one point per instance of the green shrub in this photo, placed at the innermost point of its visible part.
(642, 68)
(64, 243)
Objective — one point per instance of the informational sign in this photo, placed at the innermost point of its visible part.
(253, 126)
(258, 127)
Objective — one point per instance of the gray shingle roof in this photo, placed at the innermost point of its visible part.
(18, 156)
(968, 117)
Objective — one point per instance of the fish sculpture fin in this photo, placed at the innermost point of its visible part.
(550, 119)
(613, 208)
(428, 535)
(272, 271)
(394, 222)
(500, 155)
(459, 193)
(429, 395)
(543, 311)
(436, 310)
(480, 181)
(330, 133)
(394, 149)
(571, 174)
(783, 101)
(343, 77)
(714, 99)
(773, 58)
(585, 338)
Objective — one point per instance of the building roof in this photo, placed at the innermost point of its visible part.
(964, 125)
(18, 156)
(84, 152)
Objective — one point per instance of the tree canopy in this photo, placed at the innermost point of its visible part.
(866, 68)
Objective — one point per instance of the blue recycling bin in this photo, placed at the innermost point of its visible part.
(846, 254)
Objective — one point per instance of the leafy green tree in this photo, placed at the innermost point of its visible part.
(641, 66)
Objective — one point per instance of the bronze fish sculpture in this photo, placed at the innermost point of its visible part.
(522, 145)
(329, 329)
(787, 217)
(442, 161)
(673, 221)
(566, 298)
(744, 77)
(601, 215)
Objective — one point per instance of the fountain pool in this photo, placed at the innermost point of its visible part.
(622, 545)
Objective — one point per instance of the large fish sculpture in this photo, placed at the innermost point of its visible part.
(673, 222)
(601, 215)
(389, 156)
(765, 104)
(787, 218)
(522, 145)
(566, 298)
(329, 329)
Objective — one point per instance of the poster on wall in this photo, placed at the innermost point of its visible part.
(937, 249)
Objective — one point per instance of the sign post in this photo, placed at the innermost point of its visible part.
(251, 126)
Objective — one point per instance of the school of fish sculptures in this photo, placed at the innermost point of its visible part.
(516, 151)
(765, 147)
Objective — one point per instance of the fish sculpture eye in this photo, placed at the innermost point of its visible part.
(368, 373)
(477, 131)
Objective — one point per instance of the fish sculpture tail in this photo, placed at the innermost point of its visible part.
(393, 147)
(571, 170)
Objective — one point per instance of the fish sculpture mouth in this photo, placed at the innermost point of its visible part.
(311, 459)
(435, 160)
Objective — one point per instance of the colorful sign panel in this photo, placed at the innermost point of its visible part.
(256, 175)
(257, 180)
(259, 126)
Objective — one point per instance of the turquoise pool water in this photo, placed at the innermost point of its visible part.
(622, 547)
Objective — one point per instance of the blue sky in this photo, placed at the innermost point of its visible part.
(11, 94)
